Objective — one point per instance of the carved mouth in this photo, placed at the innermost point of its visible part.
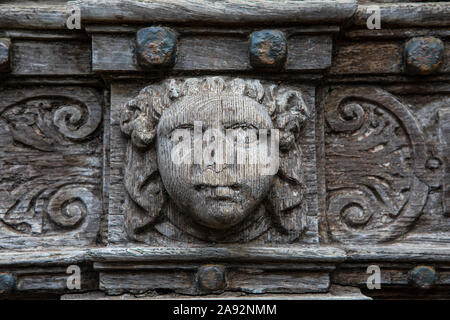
(228, 193)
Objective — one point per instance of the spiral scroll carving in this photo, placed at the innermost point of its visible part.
(69, 205)
(375, 169)
(76, 123)
(50, 158)
(57, 120)
(347, 117)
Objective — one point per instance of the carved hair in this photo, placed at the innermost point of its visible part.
(140, 116)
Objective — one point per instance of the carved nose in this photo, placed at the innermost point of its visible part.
(217, 167)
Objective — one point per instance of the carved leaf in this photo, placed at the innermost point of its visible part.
(49, 176)
(374, 151)
(144, 186)
(287, 194)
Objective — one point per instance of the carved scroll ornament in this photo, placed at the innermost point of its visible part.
(377, 181)
(48, 180)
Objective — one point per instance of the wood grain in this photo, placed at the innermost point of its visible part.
(231, 12)
(372, 161)
(116, 53)
(33, 16)
(408, 14)
(51, 58)
(444, 121)
(51, 168)
(370, 57)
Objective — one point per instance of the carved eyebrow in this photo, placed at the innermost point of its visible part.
(182, 126)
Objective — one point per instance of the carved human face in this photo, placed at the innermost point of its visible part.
(217, 194)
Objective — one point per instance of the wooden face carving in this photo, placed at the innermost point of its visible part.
(219, 191)
(241, 172)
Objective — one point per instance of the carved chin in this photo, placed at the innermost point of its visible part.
(220, 215)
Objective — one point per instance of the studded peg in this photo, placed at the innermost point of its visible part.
(268, 49)
(156, 47)
(211, 278)
(7, 283)
(423, 277)
(424, 55)
(5, 55)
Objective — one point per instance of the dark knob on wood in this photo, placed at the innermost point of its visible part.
(156, 47)
(7, 283)
(211, 278)
(423, 277)
(268, 49)
(5, 55)
(424, 55)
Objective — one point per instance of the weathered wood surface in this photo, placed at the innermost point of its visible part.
(53, 280)
(444, 123)
(391, 275)
(212, 30)
(407, 14)
(70, 255)
(375, 57)
(231, 12)
(373, 158)
(398, 252)
(433, 224)
(116, 53)
(54, 15)
(241, 279)
(236, 253)
(33, 15)
(397, 33)
(336, 292)
(275, 282)
(120, 94)
(147, 270)
(51, 58)
(51, 166)
(300, 257)
(407, 183)
(137, 282)
(44, 34)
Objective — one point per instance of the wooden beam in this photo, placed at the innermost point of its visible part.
(216, 12)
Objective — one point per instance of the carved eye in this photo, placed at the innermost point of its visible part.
(243, 126)
(185, 126)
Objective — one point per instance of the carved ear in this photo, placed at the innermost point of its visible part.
(292, 101)
(144, 187)
(136, 122)
(285, 198)
(291, 117)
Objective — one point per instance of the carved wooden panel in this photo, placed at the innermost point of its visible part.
(444, 120)
(115, 151)
(51, 166)
(151, 209)
(382, 164)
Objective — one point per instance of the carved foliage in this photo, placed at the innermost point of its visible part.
(50, 163)
(375, 166)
